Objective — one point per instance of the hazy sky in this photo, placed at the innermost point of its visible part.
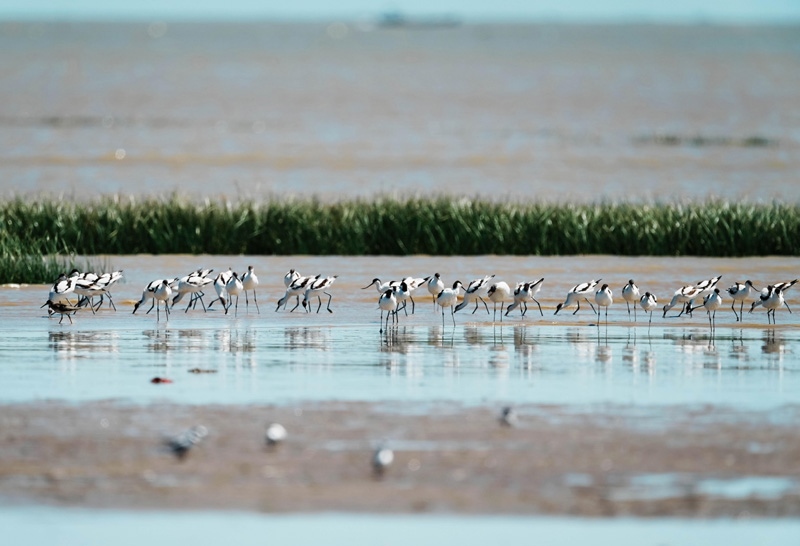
(571, 10)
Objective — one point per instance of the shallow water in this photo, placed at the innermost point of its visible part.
(541, 112)
(42, 525)
(283, 357)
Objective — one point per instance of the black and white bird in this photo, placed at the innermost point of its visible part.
(61, 289)
(387, 302)
(297, 287)
(603, 298)
(193, 284)
(784, 286)
(579, 292)
(523, 293)
(630, 293)
(249, 284)
(448, 298)
(149, 292)
(314, 289)
(740, 292)
(435, 285)
(711, 303)
(649, 302)
(475, 291)
(683, 295)
(771, 299)
(499, 292)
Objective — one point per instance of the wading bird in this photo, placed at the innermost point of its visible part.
(298, 286)
(448, 298)
(498, 293)
(475, 292)
(630, 293)
(435, 285)
(683, 296)
(649, 302)
(316, 288)
(388, 302)
(579, 292)
(711, 303)
(603, 298)
(739, 292)
(249, 283)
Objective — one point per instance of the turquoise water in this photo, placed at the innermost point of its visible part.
(62, 526)
(283, 357)
(471, 364)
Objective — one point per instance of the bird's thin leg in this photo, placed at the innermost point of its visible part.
(413, 305)
(152, 303)
(629, 308)
(329, 302)
(319, 299)
(540, 306)
(256, 301)
(733, 308)
(578, 309)
(453, 315)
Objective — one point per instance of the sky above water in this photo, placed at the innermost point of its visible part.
(739, 11)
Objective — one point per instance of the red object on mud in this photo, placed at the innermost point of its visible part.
(160, 380)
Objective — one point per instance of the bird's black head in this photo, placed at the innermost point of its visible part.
(630, 281)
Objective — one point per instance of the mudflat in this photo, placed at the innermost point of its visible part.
(602, 460)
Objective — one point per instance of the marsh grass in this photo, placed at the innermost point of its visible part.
(443, 226)
(34, 262)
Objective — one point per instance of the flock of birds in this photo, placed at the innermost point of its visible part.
(394, 296)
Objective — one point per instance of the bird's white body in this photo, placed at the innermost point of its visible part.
(649, 302)
(62, 288)
(317, 287)
(298, 286)
(579, 292)
(683, 295)
(191, 284)
(476, 290)
(711, 303)
(449, 298)
(276, 433)
(382, 459)
(739, 293)
(435, 285)
(162, 294)
(388, 302)
(603, 298)
(630, 293)
(249, 283)
(500, 293)
(233, 287)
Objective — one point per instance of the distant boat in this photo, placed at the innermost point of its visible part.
(396, 19)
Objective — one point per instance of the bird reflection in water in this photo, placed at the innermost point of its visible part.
(75, 343)
(304, 337)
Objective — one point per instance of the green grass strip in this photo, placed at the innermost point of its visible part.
(443, 226)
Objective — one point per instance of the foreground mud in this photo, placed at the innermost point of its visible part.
(612, 461)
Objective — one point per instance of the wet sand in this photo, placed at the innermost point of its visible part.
(448, 458)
